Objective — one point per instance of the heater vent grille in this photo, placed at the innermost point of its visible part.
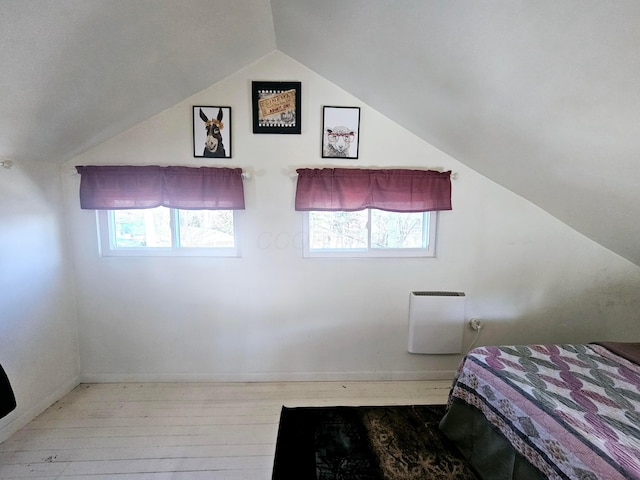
(438, 294)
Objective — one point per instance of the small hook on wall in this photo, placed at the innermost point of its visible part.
(6, 163)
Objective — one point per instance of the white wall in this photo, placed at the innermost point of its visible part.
(273, 315)
(38, 334)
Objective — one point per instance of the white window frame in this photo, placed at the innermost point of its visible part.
(107, 248)
(429, 251)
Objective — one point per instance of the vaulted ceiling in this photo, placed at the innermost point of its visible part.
(541, 96)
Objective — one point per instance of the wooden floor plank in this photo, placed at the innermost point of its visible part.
(180, 431)
(122, 453)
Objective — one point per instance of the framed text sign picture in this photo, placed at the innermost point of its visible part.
(276, 107)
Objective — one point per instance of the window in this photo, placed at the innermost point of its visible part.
(167, 231)
(369, 233)
(352, 212)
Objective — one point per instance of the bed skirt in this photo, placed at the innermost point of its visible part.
(483, 446)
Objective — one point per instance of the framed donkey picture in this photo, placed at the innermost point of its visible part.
(211, 132)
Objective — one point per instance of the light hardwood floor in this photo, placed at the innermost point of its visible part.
(180, 431)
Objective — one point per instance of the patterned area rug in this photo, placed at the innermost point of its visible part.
(358, 443)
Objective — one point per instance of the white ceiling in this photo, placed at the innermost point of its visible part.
(542, 96)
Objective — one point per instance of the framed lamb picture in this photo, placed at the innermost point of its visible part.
(211, 132)
(340, 132)
(276, 107)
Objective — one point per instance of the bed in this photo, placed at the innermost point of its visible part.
(548, 411)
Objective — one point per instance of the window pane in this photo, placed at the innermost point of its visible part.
(142, 228)
(337, 230)
(206, 228)
(397, 230)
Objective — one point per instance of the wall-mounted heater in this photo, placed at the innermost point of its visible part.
(436, 322)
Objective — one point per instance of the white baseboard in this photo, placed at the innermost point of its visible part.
(266, 377)
(21, 419)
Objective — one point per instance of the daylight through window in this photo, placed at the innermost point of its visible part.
(167, 231)
(369, 233)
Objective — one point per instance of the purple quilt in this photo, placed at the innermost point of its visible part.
(573, 411)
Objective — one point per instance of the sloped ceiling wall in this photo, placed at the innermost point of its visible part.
(75, 73)
(541, 97)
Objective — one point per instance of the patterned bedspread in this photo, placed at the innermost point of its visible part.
(572, 410)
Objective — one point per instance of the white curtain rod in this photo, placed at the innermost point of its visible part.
(73, 171)
(294, 174)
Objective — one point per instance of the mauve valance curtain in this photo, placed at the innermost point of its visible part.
(394, 190)
(133, 187)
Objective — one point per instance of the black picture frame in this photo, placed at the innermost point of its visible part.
(340, 132)
(276, 107)
(218, 121)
